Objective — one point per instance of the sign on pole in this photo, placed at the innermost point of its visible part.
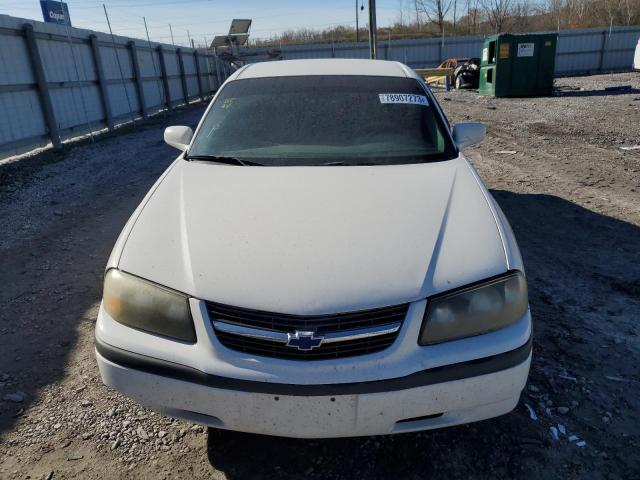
(55, 12)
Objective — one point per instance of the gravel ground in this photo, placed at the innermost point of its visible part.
(557, 167)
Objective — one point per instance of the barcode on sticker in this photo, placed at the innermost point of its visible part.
(403, 98)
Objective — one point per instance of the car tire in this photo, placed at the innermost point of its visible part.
(458, 82)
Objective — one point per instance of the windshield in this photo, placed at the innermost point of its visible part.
(317, 120)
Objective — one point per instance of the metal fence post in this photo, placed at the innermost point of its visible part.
(137, 77)
(165, 80)
(43, 88)
(102, 83)
(218, 73)
(183, 78)
(603, 46)
(196, 59)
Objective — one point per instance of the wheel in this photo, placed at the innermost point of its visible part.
(458, 82)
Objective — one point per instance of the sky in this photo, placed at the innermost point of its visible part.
(206, 18)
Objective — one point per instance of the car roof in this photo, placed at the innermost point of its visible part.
(331, 66)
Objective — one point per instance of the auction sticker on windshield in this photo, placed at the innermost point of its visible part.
(403, 98)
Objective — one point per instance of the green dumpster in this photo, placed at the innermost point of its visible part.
(518, 65)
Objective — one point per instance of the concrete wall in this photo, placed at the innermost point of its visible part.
(58, 83)
(579, 51)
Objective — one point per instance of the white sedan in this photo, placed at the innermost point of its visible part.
(321, 260)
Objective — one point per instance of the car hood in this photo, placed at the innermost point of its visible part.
(313, 240)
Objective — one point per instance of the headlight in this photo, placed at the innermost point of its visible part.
(144, 305)
(475, 310)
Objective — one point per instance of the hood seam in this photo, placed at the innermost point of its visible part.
(141, 208)
(485, 192)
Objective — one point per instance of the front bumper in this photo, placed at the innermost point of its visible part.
(438, 397)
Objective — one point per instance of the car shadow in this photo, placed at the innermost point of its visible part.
(615, 90)
(52, 277)
(40, 318)
(581, 266)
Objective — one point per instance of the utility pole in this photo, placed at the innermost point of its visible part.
(372, 30)
(357, 24)
(157, 77)
(124, 85)
(171, 30)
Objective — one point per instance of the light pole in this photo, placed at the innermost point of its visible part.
(357, 24)
(372, 30)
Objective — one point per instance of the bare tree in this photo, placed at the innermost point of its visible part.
(417, 9)
(473, 16)
(625, 11)
(612, 9)
(577, 12)
(435, 11)
(481, 16)
(520, 14)
(557, 9)
(400, 19)
(455, 11)
(497, 13)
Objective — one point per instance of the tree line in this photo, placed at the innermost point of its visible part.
(431, 18)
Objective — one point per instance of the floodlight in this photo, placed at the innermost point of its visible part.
(239, 26)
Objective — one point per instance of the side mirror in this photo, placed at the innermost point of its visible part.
(178, 137)
(467, 134)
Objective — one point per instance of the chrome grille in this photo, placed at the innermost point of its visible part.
(343, 335)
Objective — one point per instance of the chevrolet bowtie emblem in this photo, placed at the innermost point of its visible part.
(304, 340)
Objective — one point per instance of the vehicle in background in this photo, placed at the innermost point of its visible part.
(636, 58)
(463, 73)
(467, 74)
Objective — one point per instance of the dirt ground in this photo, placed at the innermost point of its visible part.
(557, 167)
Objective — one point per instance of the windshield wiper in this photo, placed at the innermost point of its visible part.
(222, 159)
